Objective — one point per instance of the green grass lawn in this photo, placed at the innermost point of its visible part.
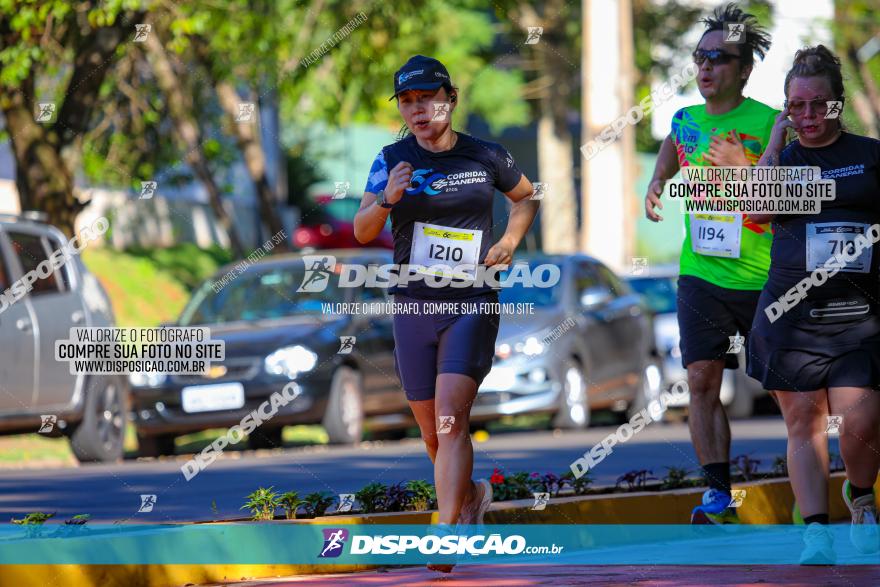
(148, 287)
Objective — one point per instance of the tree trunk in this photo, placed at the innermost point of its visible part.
(248, 138)
(44, 183)
(190, 136)
(44, 176)
(555, 165)
(559, 229)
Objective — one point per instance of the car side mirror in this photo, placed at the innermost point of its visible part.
(594, 297)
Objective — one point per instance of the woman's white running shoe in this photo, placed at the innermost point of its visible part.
(474, 511)
(818, 546)
(864, 532)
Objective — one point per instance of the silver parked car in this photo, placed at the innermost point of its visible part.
(659, 287)
(38, 393)
(588, 345)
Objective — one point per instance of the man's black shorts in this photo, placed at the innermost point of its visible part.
(708, 315)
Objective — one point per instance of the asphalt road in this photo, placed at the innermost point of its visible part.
(112, 492)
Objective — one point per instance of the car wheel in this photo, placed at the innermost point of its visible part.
(574, 406)
(648, 389)
(344, 418)
(100, 434)
(155, 445)
(261, 439)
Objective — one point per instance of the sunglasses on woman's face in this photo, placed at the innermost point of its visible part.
(798, 107)
(715, 56)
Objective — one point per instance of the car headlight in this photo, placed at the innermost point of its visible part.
(147, 379)
(290, 361)
(530, 347)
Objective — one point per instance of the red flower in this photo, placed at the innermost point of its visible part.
(535, 475)
(496, 477)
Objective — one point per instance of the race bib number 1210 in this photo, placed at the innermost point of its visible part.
(445, 251)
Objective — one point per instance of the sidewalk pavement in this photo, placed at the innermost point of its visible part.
(644, 576)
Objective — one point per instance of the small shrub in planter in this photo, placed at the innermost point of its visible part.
(33, 519)
(579, 485)
(315, 504)
(290, 502)
(546, 483)
(747, 466)
(372, 497)
(78, 520)
(780, 466)
(515, 486)
(635, 480)
(676, 478)
(397, 498)
(423, 496)
(33, 523)
(262, 504)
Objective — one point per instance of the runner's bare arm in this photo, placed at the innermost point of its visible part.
(665, 167)
(371, 218)
(522, 214)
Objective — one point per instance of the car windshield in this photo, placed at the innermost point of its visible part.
(256, 295)
(542, 297)
(659, 292)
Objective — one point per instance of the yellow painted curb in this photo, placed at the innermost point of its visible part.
(765, 502)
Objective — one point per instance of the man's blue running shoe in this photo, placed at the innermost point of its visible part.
(715, 509)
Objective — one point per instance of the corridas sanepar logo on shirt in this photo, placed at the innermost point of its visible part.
(431, 183)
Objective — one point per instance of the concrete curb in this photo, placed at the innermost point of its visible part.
(766, 502)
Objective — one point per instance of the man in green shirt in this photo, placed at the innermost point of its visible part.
(725, 257)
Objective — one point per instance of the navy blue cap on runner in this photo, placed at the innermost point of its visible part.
(420, 73)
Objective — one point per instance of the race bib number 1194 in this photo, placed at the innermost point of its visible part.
(716, 235)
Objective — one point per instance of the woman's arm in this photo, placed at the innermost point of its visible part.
(370, 218)
(522, 214)
(770, 157)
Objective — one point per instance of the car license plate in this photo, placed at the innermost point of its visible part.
(209, 398)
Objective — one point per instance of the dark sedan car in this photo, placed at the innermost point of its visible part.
(588, 345)
(275, 334)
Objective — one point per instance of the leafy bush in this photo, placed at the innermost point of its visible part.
(424, 495)
(579, 485)
(780, 466)
(747, 466)
(546, 483)
(398, 498)
(316, 503)
(515, 486)
(290, 501)
(78, 520)
(635, 479)
(33, 519)
(262, 504)
(372, 497)
(676, 478)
